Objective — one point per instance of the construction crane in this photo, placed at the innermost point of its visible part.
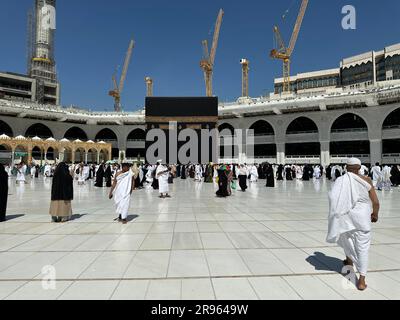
(285, 53)
(207, 63)
(149, 86)
(245, 77)
(117, 91)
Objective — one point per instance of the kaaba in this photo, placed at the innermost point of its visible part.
(199, 114)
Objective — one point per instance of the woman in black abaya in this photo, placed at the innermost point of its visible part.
(269, 174)
(62, 193)
(99, 177)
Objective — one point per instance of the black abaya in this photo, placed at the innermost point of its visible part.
(62, 186)
(280, 173)
(99, 177)
(222, 184)
(329, 172)
(183, 172)
(288, 174)
(107, 175)
(269, 173)
(243, 182)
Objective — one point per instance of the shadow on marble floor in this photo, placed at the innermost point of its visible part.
(132, 217)
(77, 216)
(320, 261)
(13, 216)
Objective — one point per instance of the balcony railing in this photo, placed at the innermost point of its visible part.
(391, 155)
(303, 132)
(397, 126)
(350, 130)
(106, 140)
(349, 155)
(261, 134)
(303, 157)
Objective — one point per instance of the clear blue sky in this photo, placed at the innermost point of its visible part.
(93, 36)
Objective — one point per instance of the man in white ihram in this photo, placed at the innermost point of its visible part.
(376, 175)
(162, 174)
(121, 191)
(353, 206)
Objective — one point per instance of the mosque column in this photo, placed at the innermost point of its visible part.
(121, 156)
(86, 156)
(29, 155)
(325, 153)
(280, 153)
(98, 156)
(12, 156)
(73, 155)
(41, 157)
(61, 155)
(375, 150)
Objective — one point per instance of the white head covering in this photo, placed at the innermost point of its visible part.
(353, 162)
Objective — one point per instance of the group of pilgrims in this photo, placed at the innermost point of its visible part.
(353, 202)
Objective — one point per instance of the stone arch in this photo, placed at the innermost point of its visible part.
(137, 134)
(349, 121)
(391, 146)
(226, 126)
(106, 134)
(302, 125)
(66, 154)
(37, 153)
(75, 133)
(262, 127)
(51, 153)
(21, 153)
(79, 154)
(4, 145)
(39, 130)
(392, 120)
(92, 155)
(103, 155)
(5, 129)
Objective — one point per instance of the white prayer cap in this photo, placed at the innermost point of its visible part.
(159, 161)
(353, 162)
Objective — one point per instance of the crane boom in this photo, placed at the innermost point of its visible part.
(280, 42)
(297, 26)
(206, 54)
(126, 66)
(207, 63)
(216, 36)
(284, 53)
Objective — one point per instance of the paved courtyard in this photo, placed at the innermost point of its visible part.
(261, 244)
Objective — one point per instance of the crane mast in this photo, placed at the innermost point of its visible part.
(149, 86)
(245, 77)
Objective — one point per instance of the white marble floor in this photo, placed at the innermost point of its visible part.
(261, 244)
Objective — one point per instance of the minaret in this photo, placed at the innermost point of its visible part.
(42, 63)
